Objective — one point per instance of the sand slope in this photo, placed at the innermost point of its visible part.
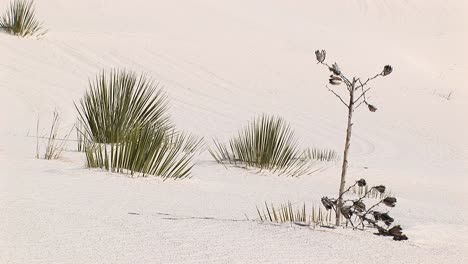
(223, 62)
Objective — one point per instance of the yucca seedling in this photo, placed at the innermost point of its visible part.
(20, 19)
(120, 101)
(267, 143)
(321, 154)
(287, 213)
(54, 145)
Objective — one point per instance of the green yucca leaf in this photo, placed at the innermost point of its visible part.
(20, 19)
(118, 102)
(267, 143)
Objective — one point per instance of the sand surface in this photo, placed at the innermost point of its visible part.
(222, 63)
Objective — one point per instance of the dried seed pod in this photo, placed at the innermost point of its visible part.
(320, 55)
(327, 203)
(335, 80)
(400, 238)
(387, 70)
(335, 69)
(361, 183)
(382, 231)
(395, 231)
(384, 217)
(372, 108)
(388, 220)
(380, 188)
(359, 206)
(347, 212)
(390, 201)
(377, 215)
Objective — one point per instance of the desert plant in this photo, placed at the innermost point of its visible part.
(321, 154)
(356, 91)
(124, 127)
(118, 102)
(267, 143)
(447, 96)
(288, 213)
(80, 136)
(54, 145)
(20, 19)
(146, 151)
(357, 212)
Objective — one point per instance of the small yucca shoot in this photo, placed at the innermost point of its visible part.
(316, 154)
(20, 19)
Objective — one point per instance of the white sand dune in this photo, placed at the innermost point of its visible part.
(222, 63)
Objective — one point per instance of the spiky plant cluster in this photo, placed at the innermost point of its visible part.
(267, 143)
(358, 213)
(321, 154)
(126, 128)
(120, 101)
(146, 151)
(20, 19)
(301, 215)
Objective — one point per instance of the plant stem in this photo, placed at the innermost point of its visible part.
(346, 151)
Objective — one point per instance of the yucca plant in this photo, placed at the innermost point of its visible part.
(146, 151)
(267, 143)
(120, 101)
(356, 91)
(126, 128)
(358, 211)
(301, 215)
(321, 154)
(20, 19)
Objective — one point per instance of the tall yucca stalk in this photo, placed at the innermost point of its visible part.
(118, 102)
(266, 143)
(20, 19)
(356, 95)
